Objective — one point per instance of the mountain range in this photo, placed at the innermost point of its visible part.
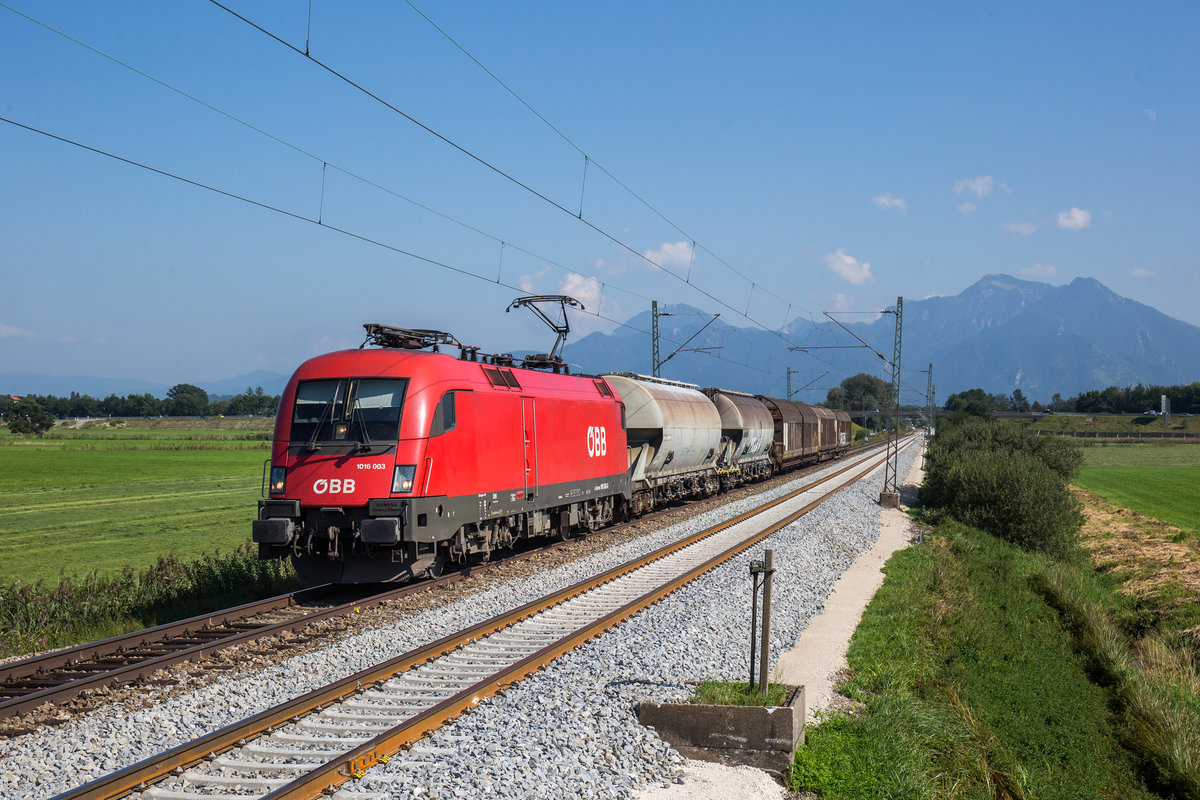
(999, 334)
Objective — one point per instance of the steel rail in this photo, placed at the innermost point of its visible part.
(34, 665)
(139, 776)
(43, 667)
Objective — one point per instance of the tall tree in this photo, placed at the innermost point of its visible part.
(187, 400)
(25, 417)
(972, 402)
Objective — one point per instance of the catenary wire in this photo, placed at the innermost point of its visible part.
(366, 181)
(343, 231)
(497, 170)
(588, 159)
(503, 243)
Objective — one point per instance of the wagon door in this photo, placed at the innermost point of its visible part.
(529, 428)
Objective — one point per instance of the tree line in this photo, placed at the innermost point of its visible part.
(864, 392)
(182, 400)
(1184, 399)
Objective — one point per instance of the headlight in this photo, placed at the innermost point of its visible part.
(402, 478)
(278, 479)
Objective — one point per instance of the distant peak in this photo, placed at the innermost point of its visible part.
(1001, 281)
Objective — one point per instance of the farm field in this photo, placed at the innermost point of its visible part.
(1119, 424)
(1158, 480)
(101, 498)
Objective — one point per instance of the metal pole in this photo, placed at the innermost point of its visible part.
(765, 653)
(753, 623)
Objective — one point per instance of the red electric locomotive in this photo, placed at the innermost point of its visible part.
(389, 462)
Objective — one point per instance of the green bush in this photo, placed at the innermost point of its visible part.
(1008, 482)
(1059, 454)
(1016, 497)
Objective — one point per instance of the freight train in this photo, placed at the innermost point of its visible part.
(394, 460)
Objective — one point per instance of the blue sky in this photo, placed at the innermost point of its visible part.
(822, 157)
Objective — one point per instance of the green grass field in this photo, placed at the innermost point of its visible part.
(1115, 424)
(99, 498)
(1158, 480)
(973, 688)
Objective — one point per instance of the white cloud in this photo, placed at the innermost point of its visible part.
(13, 332)
(849, 268)
(528, 282)
(842, 302)
(1021, 228)
(886, 201)
(1040, 271)
(584, 289)
(1074, 220)
(981, 185)
(671, 254)
(1150, 114)
(1142, 272)
(966, 208)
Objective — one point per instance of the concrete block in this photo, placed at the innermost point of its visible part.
(762, 737)
(889, 499)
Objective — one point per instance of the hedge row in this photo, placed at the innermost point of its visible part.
(1007, 481)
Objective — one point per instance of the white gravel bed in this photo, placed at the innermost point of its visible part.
(570, 730)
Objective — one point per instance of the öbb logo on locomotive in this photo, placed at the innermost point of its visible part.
(333, 486)
(455, 456)
(597, 441)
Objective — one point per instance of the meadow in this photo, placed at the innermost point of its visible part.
(109, 495)
(1117, 424)
(1158, 480)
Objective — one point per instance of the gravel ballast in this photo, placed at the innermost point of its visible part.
(570, 730)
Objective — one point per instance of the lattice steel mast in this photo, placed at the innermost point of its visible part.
(893, 444)
(655, 364)
(929, 404)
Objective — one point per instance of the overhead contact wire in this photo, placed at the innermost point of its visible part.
(580, 150)
(497, 170)
(316, 158)
(310, 220)
(366, 181)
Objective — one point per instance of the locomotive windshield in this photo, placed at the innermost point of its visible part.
(348, 410)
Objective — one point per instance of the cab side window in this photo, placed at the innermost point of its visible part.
(444, 416)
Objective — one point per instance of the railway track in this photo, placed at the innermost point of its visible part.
(64, 674)
(326, 737)
(60, 676)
